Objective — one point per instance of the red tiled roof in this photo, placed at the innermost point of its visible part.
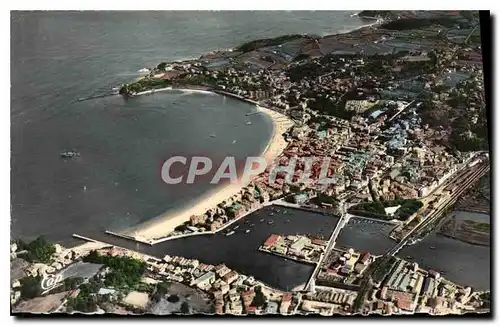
(318, 242)
(286, 297)
(271, 240)
(405, 304)
(252, 309)
(365, 257)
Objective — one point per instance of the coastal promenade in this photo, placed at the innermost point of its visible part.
(192, 234)
(392, 222)
(282, 203)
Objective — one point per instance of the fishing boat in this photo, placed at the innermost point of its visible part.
(229, 233)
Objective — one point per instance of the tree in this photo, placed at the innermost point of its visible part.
(39, 250)
(173, 298)
(30, 287)
(161, 66)
(185, 308)
(91, 257)
(125, 272)
(260, 299)
(72, 283)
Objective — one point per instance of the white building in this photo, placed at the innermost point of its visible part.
(390, 211)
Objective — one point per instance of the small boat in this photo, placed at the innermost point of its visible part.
(69, 154)
(409, 257)
(284, 212)
(237, 226)
(270, 222)
(287, 221)
(247, 231)
(212, 135)
(229, 233)
(411, 242)
(234, 141)
(271, 214)
(262, 220)
(432, 247)
(249, 123)
(252, 224)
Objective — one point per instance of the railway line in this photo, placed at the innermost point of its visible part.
(457, 186)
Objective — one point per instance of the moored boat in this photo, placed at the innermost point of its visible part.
(69, 154)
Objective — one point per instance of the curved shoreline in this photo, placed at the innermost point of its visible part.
(159, 228)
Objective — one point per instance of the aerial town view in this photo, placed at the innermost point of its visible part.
(237, 169)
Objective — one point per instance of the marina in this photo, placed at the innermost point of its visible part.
(239, 251)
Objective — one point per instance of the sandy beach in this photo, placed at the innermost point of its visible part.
(161, 226)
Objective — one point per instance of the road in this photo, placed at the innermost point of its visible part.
(331, 243)
(470, 34)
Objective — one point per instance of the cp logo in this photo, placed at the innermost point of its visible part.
(50, 281)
